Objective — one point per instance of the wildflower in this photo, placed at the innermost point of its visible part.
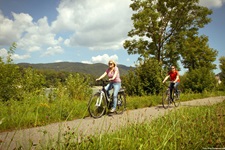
(44, 105)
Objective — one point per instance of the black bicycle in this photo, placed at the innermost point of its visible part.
(101, 101)
(174, 98)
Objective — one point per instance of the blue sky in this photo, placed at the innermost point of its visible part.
(88, 31)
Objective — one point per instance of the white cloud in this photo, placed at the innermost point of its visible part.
(38, 36)
(20, 57)
(104, 58)
(30, 36)
(53, 50)
(4, 54)
(95, 24)
(212, 3)
(86, 62)
(8, 32)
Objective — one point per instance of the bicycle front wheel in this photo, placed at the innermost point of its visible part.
(166, 99)
(97, 105)
(121, 103)
(176, 99)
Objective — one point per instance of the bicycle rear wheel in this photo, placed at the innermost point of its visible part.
(166, 99)
(121, 102)
(97, 105)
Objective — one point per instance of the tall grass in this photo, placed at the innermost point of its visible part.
(38, 110)
(185, 128)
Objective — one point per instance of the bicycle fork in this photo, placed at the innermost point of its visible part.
(99, 99)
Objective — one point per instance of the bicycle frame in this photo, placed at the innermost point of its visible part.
(170, 97)
(102, 91)
(100, 102)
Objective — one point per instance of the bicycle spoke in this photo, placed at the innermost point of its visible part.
(166, 99)
(177, 99)
(97, 106)
(121, 103)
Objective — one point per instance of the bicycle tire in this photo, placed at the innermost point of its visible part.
(94, 110)
(121, 102)
(166, 99)
(176, 99)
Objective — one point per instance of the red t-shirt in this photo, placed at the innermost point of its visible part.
(173, 75)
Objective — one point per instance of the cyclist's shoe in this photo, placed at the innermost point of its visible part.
(112, 110)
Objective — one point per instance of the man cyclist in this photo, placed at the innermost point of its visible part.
(174, 80)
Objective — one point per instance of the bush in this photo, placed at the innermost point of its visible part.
(199, 80)
(145, 79)
(78, 87)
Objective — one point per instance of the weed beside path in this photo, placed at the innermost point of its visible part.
(89, 126)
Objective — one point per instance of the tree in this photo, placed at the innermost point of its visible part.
(199, 80)
(197, 53)
(9, 77)
(222, 68)
(16, 82)
(159, 24)
(145, 79)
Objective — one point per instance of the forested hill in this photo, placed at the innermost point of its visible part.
(93, 69)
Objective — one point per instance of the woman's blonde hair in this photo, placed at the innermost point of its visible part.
(112, 61)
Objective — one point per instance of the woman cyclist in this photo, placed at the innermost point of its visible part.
(115, 82)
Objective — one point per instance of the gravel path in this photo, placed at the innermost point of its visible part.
(88, 126)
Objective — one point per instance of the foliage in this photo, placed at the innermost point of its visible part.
(160, 33)
(15, 82)
(9, 79)
(199, 80)
(132, 84)
(158, 29)
(145, 79)
(197, 53)
(78, 87)
(32, 81)
(53, 77)
(222, 68)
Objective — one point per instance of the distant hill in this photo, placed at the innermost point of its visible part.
(93, 69)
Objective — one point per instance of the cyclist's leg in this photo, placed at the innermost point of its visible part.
(175, 86)
(116, 87)
(171, 89)
(108, 87)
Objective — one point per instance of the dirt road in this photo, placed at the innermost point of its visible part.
(88, 126)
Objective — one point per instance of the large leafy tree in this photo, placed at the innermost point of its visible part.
(197, 53)
(160, 25)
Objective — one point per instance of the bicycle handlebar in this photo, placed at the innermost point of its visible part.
(104, 82)
(169, 84)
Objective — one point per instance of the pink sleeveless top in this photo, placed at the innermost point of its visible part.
(110, 74)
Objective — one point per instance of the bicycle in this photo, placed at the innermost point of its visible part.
(166, 98)
(100, 102)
